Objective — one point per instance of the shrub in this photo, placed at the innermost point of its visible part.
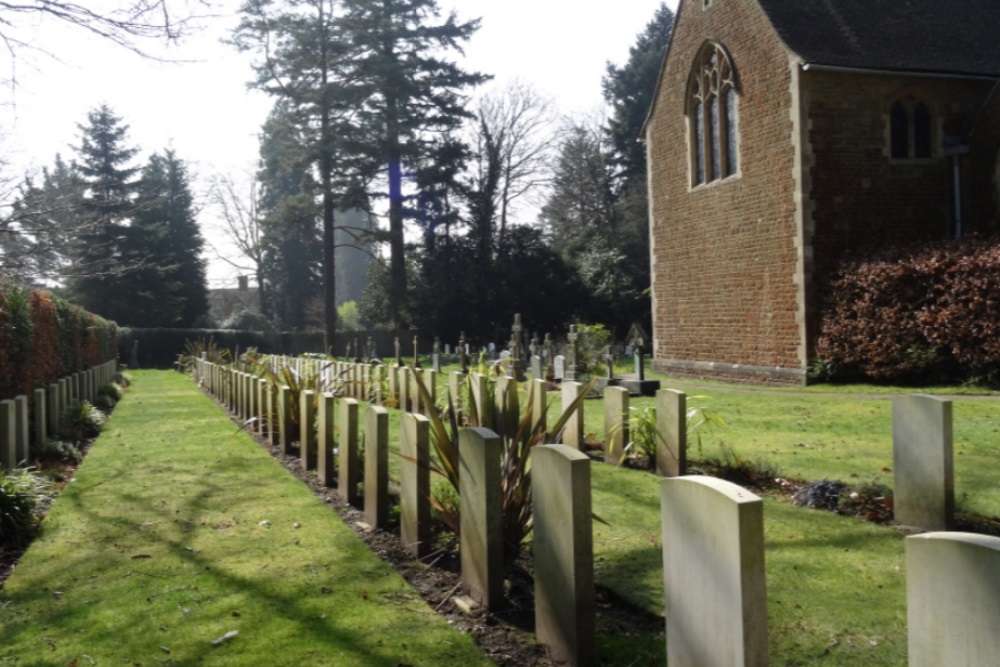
(926, 313)
(21, 493)
(592, 341)
(60, 450)
(80, 421)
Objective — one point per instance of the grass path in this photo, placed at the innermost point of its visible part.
(177, 530)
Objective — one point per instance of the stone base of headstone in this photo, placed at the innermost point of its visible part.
(642, 387)
(607, 382)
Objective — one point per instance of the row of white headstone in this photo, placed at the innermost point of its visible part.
(26, 422)
(713, 534)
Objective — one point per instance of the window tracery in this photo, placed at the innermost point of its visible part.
(712, 116)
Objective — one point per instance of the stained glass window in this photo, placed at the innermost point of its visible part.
(712, 115)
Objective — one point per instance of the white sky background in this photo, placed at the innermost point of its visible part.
(202, 109)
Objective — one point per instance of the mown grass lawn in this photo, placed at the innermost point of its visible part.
(178, 530)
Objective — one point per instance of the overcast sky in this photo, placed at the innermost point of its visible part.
(202, 108)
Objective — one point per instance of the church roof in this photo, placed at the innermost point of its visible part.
(928, 36)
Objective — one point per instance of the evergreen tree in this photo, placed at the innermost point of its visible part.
(293, 252)
(406, 93)
(101, 256)
(34, 239)
(177, 294)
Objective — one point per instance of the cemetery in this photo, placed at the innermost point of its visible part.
(526, 514)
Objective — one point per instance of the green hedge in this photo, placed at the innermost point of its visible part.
(929, 313)
(44, 338)
(159, 348)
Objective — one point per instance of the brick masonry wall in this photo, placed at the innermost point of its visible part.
(724, 255)
(860, 198)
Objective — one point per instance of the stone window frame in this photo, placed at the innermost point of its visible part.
(922, 139)
(714, 147)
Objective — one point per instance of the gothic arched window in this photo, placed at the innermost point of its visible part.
(712, 115)
(911, 129)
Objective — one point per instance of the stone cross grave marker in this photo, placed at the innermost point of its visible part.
(573, 369)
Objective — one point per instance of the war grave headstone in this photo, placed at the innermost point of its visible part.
(481, 539)
(559, 368)
(923, 465)
(563, 549)
(671, 431)
(415, 484)
(376, 466)
(349, 463)
(573, 431)
(714, 585)
(325, 439)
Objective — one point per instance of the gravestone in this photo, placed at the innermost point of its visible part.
(271, 402)
(923, 474)
(463, 354)
(481, 538)
(324, 463)
(536, 368)
(506, 363)
(349, 458)
(516, 349)
(539, 405)
(713, 573)
(430, 379)
(506, 407)
(262, 416)
(416, 354)
(574, 365)
(447, 348)
(563, 550)
(22, 435)
(392, 381)
(38, 410)
(403, 383)
(573, 431)
(436, 355)
(671, 433)
(550, 371)
(638, 340)
(952, 599)
(416, 398)
(376, 466)
(415, 484)
(307, 433)
(455, 381)
(615, 424)
(478, 397)
(399, 355)
(53, 407)
(559, 368)
(8, 435)
(285, 419)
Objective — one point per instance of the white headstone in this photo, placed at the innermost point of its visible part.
(560, 366)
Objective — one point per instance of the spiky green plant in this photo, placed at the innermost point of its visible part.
(193, 349)
(80, 421)
(515, 468)
(21, 492)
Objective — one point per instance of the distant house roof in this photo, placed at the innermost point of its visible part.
(958, 37)
(222, 303)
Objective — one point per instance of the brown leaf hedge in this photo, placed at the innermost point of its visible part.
(44, 338)
(928, 313)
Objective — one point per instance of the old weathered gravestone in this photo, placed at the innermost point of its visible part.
(481, 540)
(713, 573)
(415, 484)
(559, 367)
(307, 430)
(671, 433)
(573, 431)
(563, 549)
(615, 424)
(923, 477)
(376, 466)
(574, 365)
(349, 468)
(536, 368)
(952, 599)
(325, 439)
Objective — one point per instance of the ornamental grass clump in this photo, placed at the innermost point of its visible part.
(80, 421)
(21, 494)
(515, 469)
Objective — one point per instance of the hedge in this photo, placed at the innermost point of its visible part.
(159, 348)
(925, 313)
(44, 338)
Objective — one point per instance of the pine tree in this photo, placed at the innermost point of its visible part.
(407, 93)
(101, 256)
(175, 271)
